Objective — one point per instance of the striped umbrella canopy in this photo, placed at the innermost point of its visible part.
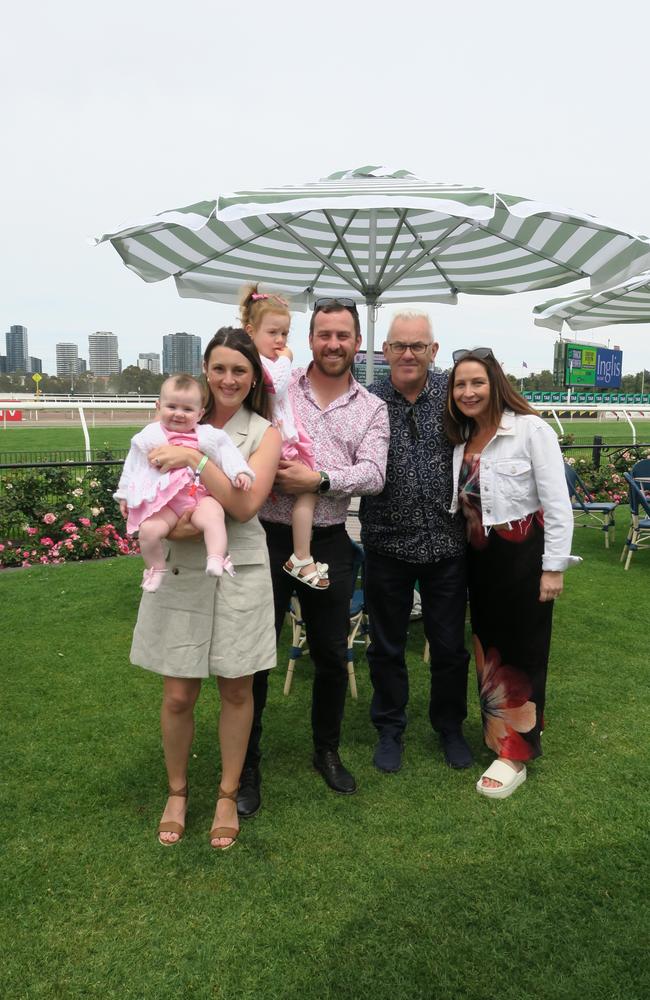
(625, 302)
(375, 235)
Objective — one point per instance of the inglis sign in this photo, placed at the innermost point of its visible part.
(587, 364)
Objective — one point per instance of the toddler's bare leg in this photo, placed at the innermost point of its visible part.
(302, 522)
(151, 534)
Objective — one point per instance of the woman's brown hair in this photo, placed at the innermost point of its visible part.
(236, 339)
(503, 396)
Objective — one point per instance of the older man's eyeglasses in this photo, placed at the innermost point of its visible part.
(475, 352)
(398, 348)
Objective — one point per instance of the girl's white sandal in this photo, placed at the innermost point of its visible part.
(317, 579)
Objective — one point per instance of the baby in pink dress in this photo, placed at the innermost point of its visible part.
(153, 501)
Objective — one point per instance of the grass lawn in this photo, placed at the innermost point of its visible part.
(609, 430)
(41, 439)
(414, 888)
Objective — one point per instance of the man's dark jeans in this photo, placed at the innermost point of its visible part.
(389, 599)
(327, 617)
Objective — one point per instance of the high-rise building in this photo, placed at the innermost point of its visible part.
(67, 360)
(102, 354)
(34, 365)
(151, 362)
(3, 364)
(182, 353)
(17, 351)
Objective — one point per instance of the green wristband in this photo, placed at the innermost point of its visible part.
(201, 466)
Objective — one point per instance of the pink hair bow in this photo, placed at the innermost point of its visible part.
(256, 296)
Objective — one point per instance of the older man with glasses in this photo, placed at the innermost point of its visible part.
(410, 538)
(348, 428)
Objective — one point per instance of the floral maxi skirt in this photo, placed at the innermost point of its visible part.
(512, 636)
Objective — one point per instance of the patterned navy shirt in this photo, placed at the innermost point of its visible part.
(410, 518)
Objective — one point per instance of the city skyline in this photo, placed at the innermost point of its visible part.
(105, 352)
(51, 366)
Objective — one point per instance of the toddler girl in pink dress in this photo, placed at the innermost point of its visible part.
(153, 501)
(266, 318)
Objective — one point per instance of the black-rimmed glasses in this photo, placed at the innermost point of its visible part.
(475, 352)
(397, 347)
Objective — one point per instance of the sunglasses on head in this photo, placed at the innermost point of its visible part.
(343, 303)
(475, 352)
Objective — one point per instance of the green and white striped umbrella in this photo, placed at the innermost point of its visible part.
(625, 302)
(375, 235)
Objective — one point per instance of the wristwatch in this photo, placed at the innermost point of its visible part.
(324, 484)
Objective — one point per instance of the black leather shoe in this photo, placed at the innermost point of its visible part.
(249, 799)
(456, 749)
(328, 763)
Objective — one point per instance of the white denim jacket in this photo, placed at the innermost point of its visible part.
(522, 470)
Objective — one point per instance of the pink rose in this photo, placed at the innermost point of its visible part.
(49, 518)
(31, 531)
(46, 541)
(85, 521)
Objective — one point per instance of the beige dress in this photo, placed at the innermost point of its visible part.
(196, 625)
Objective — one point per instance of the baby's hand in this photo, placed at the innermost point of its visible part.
(243, 482)
(286, 352)
(124, 510)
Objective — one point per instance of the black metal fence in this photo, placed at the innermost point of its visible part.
(34, 482)
(31, 459)
(595, 450)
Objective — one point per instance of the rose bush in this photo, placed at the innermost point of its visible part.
(54, 515)
(607, 483)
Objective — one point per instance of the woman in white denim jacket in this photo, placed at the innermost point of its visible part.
(509, 482)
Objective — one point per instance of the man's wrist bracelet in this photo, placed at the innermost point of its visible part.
(201, 466)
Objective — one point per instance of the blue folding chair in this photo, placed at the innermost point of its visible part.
(588, 513)
(640, 473)
(358, 625)
(638, 536)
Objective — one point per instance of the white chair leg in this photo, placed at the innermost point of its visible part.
(352, 680)
(289, 677)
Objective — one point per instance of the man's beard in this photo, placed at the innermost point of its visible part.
(343, 364)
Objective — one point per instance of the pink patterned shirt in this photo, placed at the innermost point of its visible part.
(350, 439)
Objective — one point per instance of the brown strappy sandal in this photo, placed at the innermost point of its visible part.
(225, 831)
(171, 826)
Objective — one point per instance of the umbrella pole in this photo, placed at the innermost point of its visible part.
(370, 342)
(371, 300)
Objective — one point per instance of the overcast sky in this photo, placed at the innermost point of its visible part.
(114, 112)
